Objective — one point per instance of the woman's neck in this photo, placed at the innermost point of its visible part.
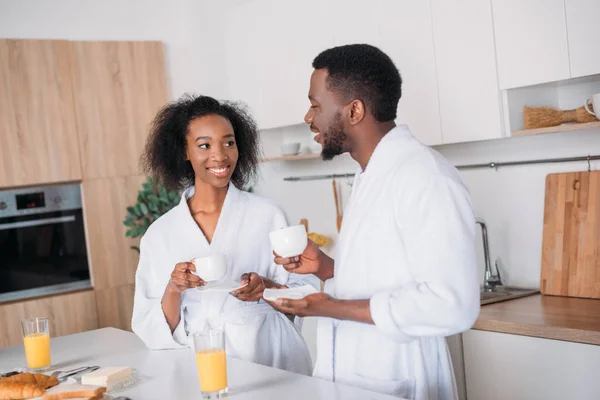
(207, 198)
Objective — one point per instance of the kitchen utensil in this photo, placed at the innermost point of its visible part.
(211, 268)
(295, 293)
(595, 105)
(570, 250)
(290, 241)
(221, 287)
(290, 149)
(63, 375)
(338, 214)
(542, 117)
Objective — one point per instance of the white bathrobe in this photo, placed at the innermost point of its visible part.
(407, 244)
(255, 332)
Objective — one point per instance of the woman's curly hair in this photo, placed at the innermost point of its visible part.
(164, 155)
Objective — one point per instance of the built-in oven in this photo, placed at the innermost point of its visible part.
(42, 242)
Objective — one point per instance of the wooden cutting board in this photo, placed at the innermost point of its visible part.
(571, 238)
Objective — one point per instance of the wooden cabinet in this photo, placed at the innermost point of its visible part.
(500, 366)
(469, 98)
(115, 307)
(406, 36)
(531, 42)
(113, 263)
(68, 313)
(38, 140)
(584, 36)
(118, 88)
(269, 57)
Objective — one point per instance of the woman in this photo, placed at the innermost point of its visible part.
(208, 150)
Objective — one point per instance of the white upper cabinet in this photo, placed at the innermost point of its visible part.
(405, 35)
(469, 97)
(531, 41)
(583, 25)
(269, 57)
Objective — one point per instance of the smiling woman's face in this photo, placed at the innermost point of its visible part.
(211, 149)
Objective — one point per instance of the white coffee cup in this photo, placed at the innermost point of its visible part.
(595, 101)
(211, 268)
(289, 242)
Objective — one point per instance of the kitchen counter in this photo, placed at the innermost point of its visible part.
(549, 317)
(172, 374)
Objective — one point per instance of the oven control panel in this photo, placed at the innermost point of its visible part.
(26, 201)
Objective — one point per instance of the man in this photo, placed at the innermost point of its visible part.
(404, 275)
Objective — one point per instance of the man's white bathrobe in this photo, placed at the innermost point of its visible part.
(255, 331)
(407, 244)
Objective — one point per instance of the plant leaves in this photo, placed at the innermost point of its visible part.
(130, 232)
(131, 210)
(128, 222)
(144, 208)
(135, 248)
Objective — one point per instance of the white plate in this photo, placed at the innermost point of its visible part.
(227, 287)
(295, 293)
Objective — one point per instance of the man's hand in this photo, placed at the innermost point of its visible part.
(311, 261)
(310, 306)
(323, 305)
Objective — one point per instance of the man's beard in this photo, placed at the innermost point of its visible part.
(333, 139)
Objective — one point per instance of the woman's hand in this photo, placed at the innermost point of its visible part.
(182, 277)
(255, 287)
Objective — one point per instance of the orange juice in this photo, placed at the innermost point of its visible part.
(212, 370)
(37, 350)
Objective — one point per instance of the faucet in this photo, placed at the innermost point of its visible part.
(490, 280)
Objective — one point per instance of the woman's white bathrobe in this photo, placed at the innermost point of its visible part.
(407, 243)
(255, 331)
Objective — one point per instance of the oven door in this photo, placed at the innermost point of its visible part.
(42, 253)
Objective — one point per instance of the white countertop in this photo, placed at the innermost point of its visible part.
(172, 374)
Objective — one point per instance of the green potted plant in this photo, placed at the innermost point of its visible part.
(153, 201)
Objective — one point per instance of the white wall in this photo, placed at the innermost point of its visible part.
(189, 31)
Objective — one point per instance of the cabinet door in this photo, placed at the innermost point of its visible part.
(115, 307)
(38, 139)
(118, 88)
(584, 36)
(500, 366)
(68, 313)
(531, 41)
(113, 262)
(466, 69)
(406, 36)
(273, 44)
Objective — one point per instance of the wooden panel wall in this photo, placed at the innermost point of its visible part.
(68, 313)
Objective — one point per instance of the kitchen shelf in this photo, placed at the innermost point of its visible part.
(560, 128)
(298, 157)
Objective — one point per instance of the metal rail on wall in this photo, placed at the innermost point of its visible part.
(494, 165)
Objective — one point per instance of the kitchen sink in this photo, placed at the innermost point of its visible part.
(502, 293)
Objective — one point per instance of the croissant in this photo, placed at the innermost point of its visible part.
(20, 390)
(42, 380)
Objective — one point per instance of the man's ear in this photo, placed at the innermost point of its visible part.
(357, 112)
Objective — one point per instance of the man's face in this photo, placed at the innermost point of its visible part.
(325, 117)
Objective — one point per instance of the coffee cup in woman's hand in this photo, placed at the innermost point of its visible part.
(183, 277)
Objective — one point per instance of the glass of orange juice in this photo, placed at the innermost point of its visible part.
(212, 364)
(36, 338)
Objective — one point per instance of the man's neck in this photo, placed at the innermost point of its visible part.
(367, 142)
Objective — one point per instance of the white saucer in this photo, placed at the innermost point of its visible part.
(295, 293)
(227, 286)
